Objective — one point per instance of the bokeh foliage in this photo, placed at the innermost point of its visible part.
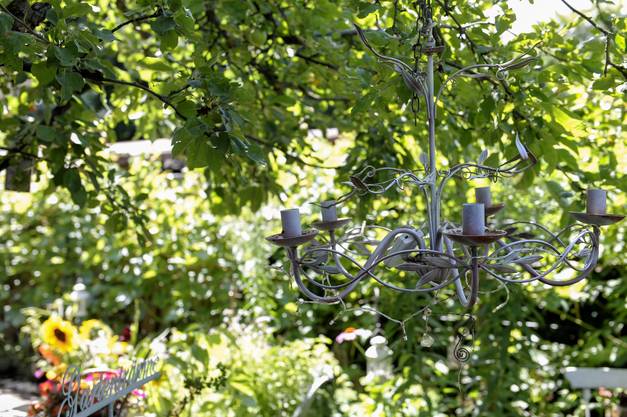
(239, 86)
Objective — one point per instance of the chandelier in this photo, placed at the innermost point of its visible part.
(327, 265)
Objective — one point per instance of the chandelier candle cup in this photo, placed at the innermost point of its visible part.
(329, 211)
(484, 196)
(290, 219)
(473, 219)
(597, 201)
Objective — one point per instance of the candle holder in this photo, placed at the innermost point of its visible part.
(487, 237)
(290, 219)
(473, 219)
(292, 235)
(329, 221)
(484, 195)
(596, 207)
(441, 254)
(292, 241)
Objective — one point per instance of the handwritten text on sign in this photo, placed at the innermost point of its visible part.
(81, 402)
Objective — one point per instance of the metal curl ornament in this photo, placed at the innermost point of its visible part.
(462, 352)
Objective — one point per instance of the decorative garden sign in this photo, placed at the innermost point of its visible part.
(81, 402)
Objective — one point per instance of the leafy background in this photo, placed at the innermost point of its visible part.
(239, 87)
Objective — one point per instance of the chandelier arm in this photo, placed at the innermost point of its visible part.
(336, 257)
(591, 262)
(329, 287)
(455, 169)
(434, 206)
(367, 270)
(292, 254)
(383, 186)
(474, 282)
(467, 302)
(460, 73)
(563, 255)
(554, 236)
(583, 272)
(372, 260)
(569, 227)
(428, 207)
(507, 280)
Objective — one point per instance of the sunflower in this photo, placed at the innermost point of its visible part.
(59, 334)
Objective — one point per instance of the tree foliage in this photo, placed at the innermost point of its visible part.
(239, 86)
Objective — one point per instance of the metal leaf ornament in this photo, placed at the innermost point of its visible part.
(483, 157)
(413, 80)
(522, 150)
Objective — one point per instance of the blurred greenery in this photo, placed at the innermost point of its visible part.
(240, 88)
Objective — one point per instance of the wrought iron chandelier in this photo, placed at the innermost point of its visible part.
(327, 265)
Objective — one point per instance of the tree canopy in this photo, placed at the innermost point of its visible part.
(239, 86)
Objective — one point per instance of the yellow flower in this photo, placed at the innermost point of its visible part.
(57, 372)
(116, 347)
(93, 329)
(59, 334)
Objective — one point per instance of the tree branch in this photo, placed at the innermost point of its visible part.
(158, 96)
(23, 23)
(588, 19)
(608, 41)
(313, 60)
(158, 13)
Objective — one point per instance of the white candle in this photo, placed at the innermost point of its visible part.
(597, 201)
(484, 196)
(473, 219)
(329, 211)
(290, 219)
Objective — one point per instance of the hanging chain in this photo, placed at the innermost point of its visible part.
(424, 16)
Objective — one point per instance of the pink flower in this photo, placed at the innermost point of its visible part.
(139, 393)
(99, 375)
(350, 333)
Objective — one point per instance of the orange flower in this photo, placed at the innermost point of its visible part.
(49, 355)
(47, 388)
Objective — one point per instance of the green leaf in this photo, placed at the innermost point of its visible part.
(184, 22)
(71, 82)
(155, 64)
(363, 104)
(256, 154)
(44, 72)
(604, 83)
(47, 133)
(72, 181)
(366, 10)
(76, 9)
(6, 22)
(198, 152)
(67, 56)
(169, 40)
(187, 108)
(105, 35)
(620, 42)
(243, 388)
(163, 24)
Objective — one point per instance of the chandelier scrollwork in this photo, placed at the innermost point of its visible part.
(328, 265)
